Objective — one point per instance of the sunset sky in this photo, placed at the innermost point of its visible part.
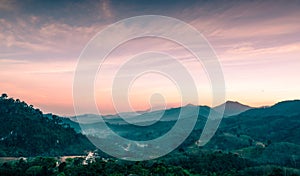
(257, 43)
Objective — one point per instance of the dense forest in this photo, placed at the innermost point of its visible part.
(25, 131)
(177, 163)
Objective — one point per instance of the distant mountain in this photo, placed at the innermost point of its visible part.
(284, 108)
(86, 118)
(146, 126)
(265, 135)
(25, 131)
(280, 122)
(236, 124)
(232, 108)
(143, 117)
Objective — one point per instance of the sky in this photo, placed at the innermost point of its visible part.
(257, 43)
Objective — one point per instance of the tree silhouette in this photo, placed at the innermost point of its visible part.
(4, 96)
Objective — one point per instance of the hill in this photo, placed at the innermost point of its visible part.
(142, 127)
(284, 108)
(232, 108)
(26, 131)
(265, 135)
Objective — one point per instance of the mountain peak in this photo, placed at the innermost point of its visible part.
(232, 108)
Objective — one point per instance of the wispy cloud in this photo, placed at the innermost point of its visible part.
(7, 5)
(106, 9)
(49, 39)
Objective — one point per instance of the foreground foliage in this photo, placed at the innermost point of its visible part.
(25, 131)
(174, 164)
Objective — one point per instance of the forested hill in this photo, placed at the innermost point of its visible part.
(25, 131)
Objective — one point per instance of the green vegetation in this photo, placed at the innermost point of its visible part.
(52, 166)
(25, 131)
(178, 163)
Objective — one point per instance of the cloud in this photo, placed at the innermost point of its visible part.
(249, 32)
(7, 5)
(106, 9)
(48, 39)
(250, 50)
(257, 20)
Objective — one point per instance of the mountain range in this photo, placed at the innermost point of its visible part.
(265, 135)
(231, 108)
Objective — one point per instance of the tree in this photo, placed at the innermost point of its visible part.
(34, 170)
(269, 142)
(4, 96)
(62, 166)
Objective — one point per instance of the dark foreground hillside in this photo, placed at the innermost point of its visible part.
(25, 131)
